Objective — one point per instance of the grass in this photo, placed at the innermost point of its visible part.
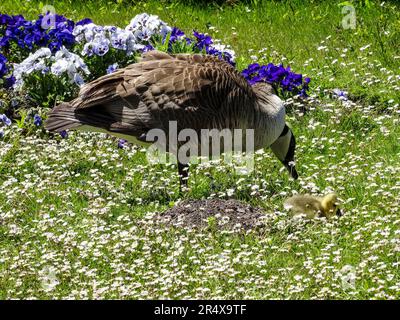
(75, 213)
(288, 31)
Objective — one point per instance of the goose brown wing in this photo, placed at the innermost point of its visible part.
(194, 90)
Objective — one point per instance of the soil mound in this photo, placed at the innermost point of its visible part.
(225, 214)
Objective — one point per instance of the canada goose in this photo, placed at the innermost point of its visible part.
(313, 206)
(196, 91)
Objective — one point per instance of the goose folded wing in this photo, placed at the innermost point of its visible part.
(193, 90)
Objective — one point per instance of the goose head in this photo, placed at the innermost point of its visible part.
(284, 149)
(284, 146)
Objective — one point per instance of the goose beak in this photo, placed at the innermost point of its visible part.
(339, 213)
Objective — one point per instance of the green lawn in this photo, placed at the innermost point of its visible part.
(75, 214)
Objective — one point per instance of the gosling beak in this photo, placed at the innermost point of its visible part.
(339, 213)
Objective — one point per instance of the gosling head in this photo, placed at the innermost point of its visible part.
(284, 148)
(329, 204)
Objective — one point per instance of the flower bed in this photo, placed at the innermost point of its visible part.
(67, 54)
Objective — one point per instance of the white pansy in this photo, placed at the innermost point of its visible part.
(143, 34)
(137, 22)
(63, 61)
(148, 24)
(70, 63)
(119, 38)
(34, 62)
(87, 32)
(59, 67)
(42, 53)
(98, 39)
(99, 45)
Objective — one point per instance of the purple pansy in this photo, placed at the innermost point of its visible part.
(277, 75)
(203, 40)
(84, 21)
(3, 65)
(64, 134)
(5, 120)
(176, 34)
(50, 30)
(37, 120)
(9, 82)
(122, 143)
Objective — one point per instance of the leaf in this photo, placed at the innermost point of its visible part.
(21, 122)
(345, 3)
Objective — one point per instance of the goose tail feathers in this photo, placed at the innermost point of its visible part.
(62, 117)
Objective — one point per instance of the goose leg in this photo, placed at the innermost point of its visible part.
(183, 170)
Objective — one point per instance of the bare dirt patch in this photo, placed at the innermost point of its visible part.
(225, 214)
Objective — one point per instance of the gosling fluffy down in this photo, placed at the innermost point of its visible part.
(313, 207)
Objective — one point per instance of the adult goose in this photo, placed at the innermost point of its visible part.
(197, 91)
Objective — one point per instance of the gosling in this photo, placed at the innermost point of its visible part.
(313, 207)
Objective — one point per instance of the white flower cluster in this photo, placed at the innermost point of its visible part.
(35, 62)
(62, 62)
(98, 39)
(70, 63)
(144, 26)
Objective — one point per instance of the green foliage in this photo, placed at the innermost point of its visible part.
(179, 46)
(99, 64)
(48, 90)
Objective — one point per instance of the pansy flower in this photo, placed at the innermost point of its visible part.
(277, 75)
(112, 68)
(3, 65)
(5, 120)
(37, 120)
(203, 40)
